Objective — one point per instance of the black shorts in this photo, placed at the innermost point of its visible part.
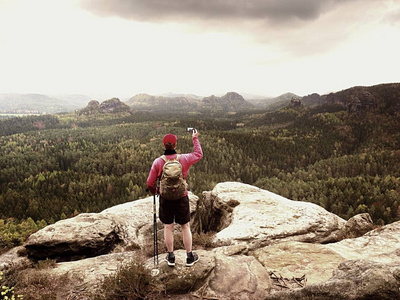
(177, 211)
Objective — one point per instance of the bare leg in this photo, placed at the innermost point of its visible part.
(169, 236)
(187, 237)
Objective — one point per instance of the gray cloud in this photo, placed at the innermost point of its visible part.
(153, 10)
(295, 27)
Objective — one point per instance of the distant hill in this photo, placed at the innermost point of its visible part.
(313, 100)
(281, 101)
(113, 105)
(230, 102)
(276, 102)
(177, 95)
(160, 103)
(40, 104)
(382, 97)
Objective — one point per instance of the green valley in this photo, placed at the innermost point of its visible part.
(56, 166)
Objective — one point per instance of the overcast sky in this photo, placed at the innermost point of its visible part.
(119, 48)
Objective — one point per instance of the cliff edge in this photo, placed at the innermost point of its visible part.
(265, 247)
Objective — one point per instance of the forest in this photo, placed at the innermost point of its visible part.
(56, 166)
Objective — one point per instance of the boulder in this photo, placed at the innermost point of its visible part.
(379, 245)
(127, 225)
(237, 277)
(136, 218)
(78, 279)
(359, 225)
(84, 277)
(220, 274)
(14, 259)
(352, 280)
(181, 279)
(255, 217)
(295, 259)
(260, 234)
(318, 262)
(85, 235)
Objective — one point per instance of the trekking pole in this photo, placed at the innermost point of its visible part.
(155, 240)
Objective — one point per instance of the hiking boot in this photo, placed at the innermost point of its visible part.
(191, 259)
(170, 259)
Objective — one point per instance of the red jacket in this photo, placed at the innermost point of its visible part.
(186, 160)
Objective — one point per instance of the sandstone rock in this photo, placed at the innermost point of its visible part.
(317, 262)
(256, 217)
(83, 277)
(14, 260)
(113, 105)
(226, 277)
(353, 280)
(380, 245)
(136, 218)
(295, 259)
(262, 232)
(237, 277)
(93, 104)
(216, 275)
(181, 279)
(85, 235)
(358, 225)
(92, 108)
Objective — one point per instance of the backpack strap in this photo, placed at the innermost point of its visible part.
(164, 158)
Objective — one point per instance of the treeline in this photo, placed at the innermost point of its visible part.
(13, 233)
(15, 125)
(346, 186)
(52, 174)
(347, 163)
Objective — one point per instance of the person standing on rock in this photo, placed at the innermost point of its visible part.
(174, 205)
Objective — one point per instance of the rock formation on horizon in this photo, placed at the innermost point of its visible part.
(385, 97)
(229, 102)
(113, 105)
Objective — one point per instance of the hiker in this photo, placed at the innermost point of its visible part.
(174, 202)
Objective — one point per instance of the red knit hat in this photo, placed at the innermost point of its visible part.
(170, 138)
